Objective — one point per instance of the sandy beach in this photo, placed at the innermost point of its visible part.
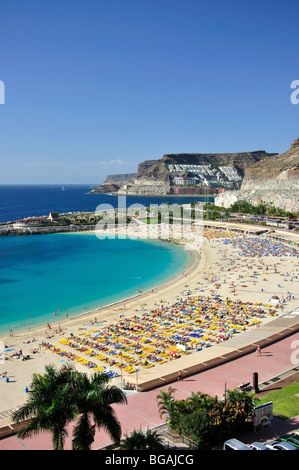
(218, 269)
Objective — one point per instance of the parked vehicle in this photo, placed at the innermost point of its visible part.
(280, 445)
(234, 444)
(291, 438)
(258, 446)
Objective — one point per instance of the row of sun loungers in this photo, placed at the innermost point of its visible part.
(162, 335)
(79, 359)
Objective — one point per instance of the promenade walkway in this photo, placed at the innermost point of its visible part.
(277, 361)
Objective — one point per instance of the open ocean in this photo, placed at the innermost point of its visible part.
(20, 201)
(74, 273)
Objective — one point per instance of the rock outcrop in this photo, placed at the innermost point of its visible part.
(240, 160)
(120, 178)
(274, 181)
(143, 166)
(154, 180)
(106, 188)
(112, 183)
(154, 177)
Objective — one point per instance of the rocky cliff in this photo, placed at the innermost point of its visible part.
(154, 177)
(154, 180)
(240, 161)
(120, 178)
(143, 166)
(280, 172)
(106, 188)
(274, 181)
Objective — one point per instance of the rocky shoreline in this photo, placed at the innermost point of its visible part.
(10, 230)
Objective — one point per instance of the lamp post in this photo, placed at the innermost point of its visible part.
(121, 369)
(137, 369)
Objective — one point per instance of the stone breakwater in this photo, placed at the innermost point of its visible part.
(10, 230)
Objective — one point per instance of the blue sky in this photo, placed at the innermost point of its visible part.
(93, 87)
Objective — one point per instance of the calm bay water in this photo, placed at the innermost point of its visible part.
(73, 273)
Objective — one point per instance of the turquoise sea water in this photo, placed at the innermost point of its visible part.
(73, 273)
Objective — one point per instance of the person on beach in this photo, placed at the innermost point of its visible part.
(258, 351)
(180, 377)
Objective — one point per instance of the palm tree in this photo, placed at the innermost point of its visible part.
(242, 396)
(138, 440)
(153, 440)
(93, 398)
(48, 407)
(59, 397)
(165, 402)
(135, 441)
(200, 400)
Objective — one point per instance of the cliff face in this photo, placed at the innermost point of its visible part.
(120, 178)
(112, 183)
(106, 188)
(143, 166)
(281, 172)
(240, 161)
(287, 200)
(273, 180)
(155, 178)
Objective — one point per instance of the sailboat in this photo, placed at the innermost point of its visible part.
(62, 188)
